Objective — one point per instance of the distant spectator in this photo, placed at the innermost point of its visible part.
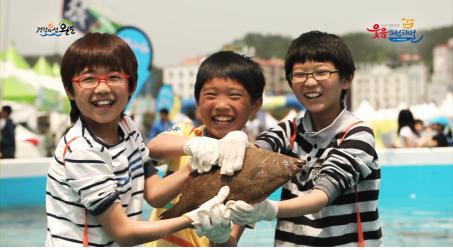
(449, 134)
(419, 126)
(147, 123)
(194, 116)
(163, 125)
(439, 132)
(8, 134)
(439, 138)
(406, 130)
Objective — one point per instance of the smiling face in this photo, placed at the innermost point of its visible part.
(320, 98)
(102, 105)
(225, 105)
(408, 23)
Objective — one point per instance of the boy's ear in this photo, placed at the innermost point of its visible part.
(69, 94)
(198, 115)
(131, 91)
(347, 83)
(256, 105)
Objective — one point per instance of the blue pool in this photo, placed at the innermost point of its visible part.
(415, 205)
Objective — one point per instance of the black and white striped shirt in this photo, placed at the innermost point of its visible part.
(339, 168)
(92, 176)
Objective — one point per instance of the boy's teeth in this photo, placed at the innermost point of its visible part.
(313, 95)
(103, 102)
(222, 119)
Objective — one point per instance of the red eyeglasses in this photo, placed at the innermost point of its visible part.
(92, 81)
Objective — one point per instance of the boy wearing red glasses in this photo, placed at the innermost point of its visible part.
(101, 170)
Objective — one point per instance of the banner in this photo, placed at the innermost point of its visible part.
(168, 100)
(143, 51)
(164, 98)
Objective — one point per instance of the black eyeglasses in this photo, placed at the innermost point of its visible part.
(301, 77)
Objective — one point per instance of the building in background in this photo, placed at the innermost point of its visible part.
(442, 78)
(386, 87)
(274, 73)
(182, 77)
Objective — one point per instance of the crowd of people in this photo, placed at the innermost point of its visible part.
(418, 133)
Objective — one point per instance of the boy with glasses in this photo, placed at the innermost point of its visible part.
(101, 171)
(333, 200)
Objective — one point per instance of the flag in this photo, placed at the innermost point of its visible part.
(86, 19)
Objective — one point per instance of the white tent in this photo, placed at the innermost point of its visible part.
(365, 111)
(446, 108)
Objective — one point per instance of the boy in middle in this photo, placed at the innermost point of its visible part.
(228, 91)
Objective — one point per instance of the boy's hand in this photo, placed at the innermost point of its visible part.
(214, 225)
(204, 152)
(239, 212)
(232, 152)
(206, 207)
(228, 152)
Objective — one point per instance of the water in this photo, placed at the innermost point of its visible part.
(409, 228)
(22, 226)
(415, 205)
(26, 227)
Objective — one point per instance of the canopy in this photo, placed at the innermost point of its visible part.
(42, 67)
(35, 86)
(18, 91)
(15, 58)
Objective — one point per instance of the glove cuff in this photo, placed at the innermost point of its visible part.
(225, 237)
(193, 216)
(186, 147)
(238, 135)
(272, 210)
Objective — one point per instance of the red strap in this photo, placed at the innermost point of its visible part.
(178, 241)
(67, 146)
(360, 237)
(85, 229)
(347, 130)
(293, 135)
(359, 220)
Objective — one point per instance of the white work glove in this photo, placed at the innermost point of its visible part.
(232, 152)
(204, 152)
(239, 212)
(214, 225)
(206, 207)
(228, 152)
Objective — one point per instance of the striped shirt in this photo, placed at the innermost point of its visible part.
(92, 175)
(335, 168)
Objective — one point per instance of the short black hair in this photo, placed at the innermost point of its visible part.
(230, 65)
(419, 121)
(321, 47)
(163, 111)
(7, 109)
